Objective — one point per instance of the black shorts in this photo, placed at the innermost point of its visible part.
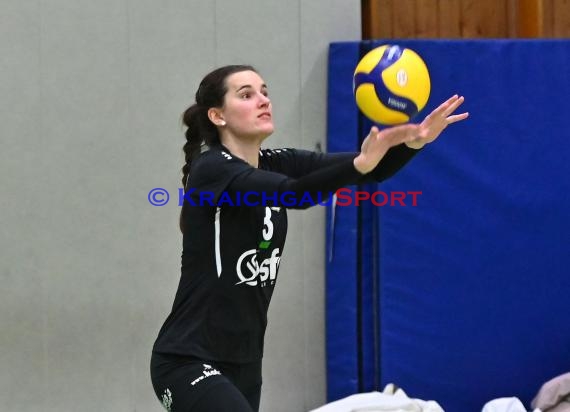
(184, 384)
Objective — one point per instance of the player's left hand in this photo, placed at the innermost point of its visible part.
(437, 121)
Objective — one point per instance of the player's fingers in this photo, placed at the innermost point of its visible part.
(457, 117)
(402, 134)
(374, 131)
(453, 106)
(448, 101)
(442, 107)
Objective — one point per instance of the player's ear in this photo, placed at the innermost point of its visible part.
(215, 115)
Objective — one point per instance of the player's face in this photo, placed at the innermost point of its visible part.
(247, 108)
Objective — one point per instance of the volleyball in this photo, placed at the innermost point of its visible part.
(391, 84)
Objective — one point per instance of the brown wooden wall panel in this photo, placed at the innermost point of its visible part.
(465, 18)
(546, 18)
(426, 19)
(512, 15)
(448, 19)
(484, 18)
(529, 18)
(377, 19)
(561, 23)
(404, 15)
(542, 18)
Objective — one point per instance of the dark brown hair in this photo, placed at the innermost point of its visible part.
(200, 130)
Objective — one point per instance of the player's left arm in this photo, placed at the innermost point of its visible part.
(297, 163)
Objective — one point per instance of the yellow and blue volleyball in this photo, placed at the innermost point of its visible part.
(391, 84)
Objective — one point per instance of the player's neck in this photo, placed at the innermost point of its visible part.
(245, 149)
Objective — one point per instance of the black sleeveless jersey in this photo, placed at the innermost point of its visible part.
(235, 224)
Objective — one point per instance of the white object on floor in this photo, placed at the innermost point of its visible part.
(505, 405)
(391, 400)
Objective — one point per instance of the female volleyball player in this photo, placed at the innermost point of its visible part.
(207, 356)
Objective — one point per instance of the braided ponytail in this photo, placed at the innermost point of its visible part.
(200, 130)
